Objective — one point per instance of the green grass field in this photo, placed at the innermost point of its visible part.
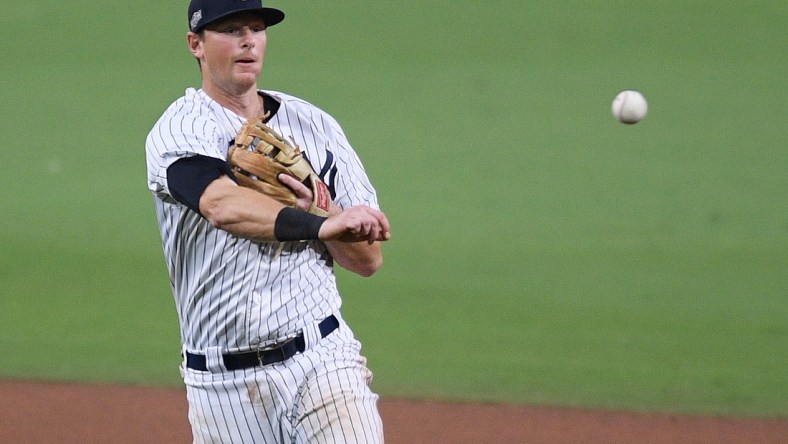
(542, 252)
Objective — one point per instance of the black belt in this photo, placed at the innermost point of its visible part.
(281, 352)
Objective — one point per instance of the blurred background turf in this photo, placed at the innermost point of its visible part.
(542, 252)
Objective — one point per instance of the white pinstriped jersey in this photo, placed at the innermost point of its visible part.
(233, 293)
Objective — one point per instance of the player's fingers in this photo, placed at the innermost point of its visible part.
(361, 223)
(374, 233)
(384, 224)
(383, 227)
(377, 228)
(363, 226)
(302, 192)
(294, 184)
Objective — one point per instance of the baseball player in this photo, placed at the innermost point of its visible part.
(267, 356)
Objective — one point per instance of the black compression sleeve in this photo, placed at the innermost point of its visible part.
(188, 178)
(296, 225)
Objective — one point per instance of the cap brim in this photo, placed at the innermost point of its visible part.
(271, 16)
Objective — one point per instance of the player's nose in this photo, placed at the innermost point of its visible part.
(247, 37)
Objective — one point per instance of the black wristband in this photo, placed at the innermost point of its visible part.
(296, 225)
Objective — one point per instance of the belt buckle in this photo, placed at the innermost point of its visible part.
(280, 348)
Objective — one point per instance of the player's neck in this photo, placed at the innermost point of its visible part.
(247, 104)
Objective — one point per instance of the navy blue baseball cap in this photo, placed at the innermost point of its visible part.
(204, 12)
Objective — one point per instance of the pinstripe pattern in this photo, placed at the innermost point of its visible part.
(233, 294)
(320, 396)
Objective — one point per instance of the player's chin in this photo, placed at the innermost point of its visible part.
(246, 78)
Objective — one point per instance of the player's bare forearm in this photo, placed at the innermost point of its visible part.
(359, 257)
(351, 235)
(239, 211)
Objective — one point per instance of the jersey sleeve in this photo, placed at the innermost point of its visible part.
(350, 181)
(182, 131)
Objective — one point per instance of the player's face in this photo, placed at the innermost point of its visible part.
(231, 52)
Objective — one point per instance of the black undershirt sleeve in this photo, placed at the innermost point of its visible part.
(188, 178)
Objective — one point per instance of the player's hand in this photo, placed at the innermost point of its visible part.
(302, 192)
(356, 224)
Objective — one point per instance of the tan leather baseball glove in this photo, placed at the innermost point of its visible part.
(259, 155)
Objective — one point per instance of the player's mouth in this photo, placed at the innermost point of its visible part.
(245, 61)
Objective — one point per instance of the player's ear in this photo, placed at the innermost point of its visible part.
(195, 44)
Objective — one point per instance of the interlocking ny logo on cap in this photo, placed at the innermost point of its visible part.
(196, 17)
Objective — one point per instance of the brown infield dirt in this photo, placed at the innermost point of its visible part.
(74, 413)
